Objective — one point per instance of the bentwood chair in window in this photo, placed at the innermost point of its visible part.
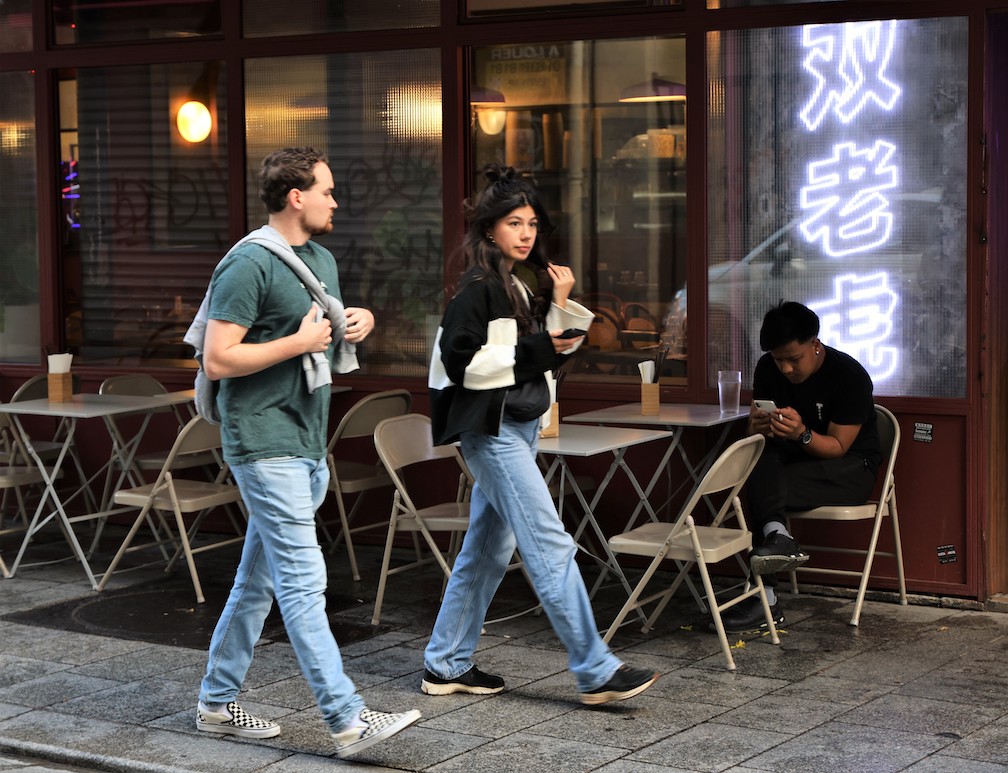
(690, 544)
(876, 511)
(170, 494)
(353, 476)
(405, 447)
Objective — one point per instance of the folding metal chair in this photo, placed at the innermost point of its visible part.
(401, 442)
(13, 478)
(685, 541)
(877, 510)
(180, 496)
(37, 388)
(357, 477)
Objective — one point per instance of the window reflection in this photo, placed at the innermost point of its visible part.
(144, 211)
(19, 275)
(852, 138)
(600, 128)
(85, 21)
(377, 116)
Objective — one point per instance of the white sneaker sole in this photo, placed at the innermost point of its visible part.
(772, 564)
(430, 688)
(241, 732)
(596, 698)
(405, 721)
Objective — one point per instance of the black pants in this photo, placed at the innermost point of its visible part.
(784, 480)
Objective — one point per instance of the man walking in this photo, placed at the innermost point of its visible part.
(261, 325)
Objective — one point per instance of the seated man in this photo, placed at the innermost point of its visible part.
(822, 444)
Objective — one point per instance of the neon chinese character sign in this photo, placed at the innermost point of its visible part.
(847, 195)
(859, 319)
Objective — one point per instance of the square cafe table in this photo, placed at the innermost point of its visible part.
(82, 406)
(584, 441)
(677, 418)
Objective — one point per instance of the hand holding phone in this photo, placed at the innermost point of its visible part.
(573, 332)
(767, 406)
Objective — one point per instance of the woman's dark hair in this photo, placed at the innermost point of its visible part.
(504, 193)
(284, 170)
(788, 321)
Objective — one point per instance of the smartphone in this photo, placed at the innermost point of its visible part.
(573, 332)
(767, 406)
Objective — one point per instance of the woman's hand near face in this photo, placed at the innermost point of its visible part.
(563, 282)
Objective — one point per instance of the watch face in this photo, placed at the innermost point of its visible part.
(806, 437)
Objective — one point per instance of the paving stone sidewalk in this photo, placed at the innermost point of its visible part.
(107, 682)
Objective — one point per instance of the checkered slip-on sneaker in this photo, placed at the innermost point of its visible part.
(373, 726)
(234, 720)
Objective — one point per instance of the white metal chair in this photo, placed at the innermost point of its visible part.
(357, 477)
(401, 442)
(180, 496)
(876, 510)
(35, 388)
(144, 385)
(686, 542)
(16, 472)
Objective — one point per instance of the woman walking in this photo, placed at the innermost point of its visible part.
(497, 342)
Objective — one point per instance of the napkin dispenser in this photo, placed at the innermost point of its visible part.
(60, 380)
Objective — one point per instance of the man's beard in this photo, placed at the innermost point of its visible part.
(317, 230)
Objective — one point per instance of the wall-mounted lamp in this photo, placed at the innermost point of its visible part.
(194, 121)
(487, 103)
(654, 90)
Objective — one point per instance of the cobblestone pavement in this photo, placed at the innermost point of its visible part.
(108, 682)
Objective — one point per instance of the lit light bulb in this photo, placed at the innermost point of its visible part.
(194, 121)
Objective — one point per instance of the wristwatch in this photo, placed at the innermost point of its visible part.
(806, 436)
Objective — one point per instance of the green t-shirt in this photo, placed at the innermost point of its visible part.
(270, 413)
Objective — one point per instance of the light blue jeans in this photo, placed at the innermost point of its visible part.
(281, 557)
(511, 505)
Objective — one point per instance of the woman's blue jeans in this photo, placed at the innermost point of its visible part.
(511, 504)
(281, 557)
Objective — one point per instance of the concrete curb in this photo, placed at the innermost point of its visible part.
(98, 762)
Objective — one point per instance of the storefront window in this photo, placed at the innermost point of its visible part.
(599, 128)
(260, 18)
(15, 26)
(837, 166)
(144, 206)
(83, 21)
(377, 116)
(19, 275)
(486, 7)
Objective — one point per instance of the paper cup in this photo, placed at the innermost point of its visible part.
(60, 363)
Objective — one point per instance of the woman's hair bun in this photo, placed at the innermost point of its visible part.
(495, 173)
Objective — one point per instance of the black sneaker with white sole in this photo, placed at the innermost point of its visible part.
(778, 553)
(625, 683)
(473, 682)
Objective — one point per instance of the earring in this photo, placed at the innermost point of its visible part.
(817, 351)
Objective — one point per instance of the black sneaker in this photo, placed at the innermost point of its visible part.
(473, 681)
(625, 683)
(778, 553)
(747, 617)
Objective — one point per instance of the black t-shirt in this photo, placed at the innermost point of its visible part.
(839, 392)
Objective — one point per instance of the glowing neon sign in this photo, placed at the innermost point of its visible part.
(849, 185)
(858, 319)
(847, 193)
(848, 62)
